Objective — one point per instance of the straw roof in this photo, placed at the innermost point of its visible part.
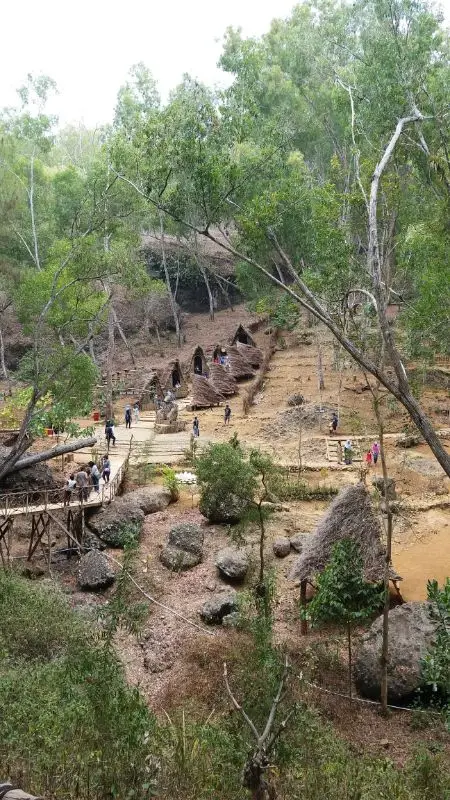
(204, 395)
(166, 374)
(222, 381)
(198, 352)
(350, 516)
(239, 366)
(253, 355)
(150, 386)
(243, 333)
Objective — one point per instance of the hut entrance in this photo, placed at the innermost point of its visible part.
(198, 365)
(243, 336)
(176, 378)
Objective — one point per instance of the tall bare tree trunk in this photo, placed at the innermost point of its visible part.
(384, 659)
(2, 357)
(168, 284)
(33, 220)
(110, 364)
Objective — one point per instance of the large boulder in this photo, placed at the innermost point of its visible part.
(178, 560)
(95, 572)
(223, 510)
(232, 563)
(185, 547)
(218, 607)
(281, 547)
(123, 518)
(411, 633)
(187, 536)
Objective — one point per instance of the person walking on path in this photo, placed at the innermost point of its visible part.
(348, 452)
(82, 483)
(333, 423)
(106, 469)
(375, 452)
(227, 415)
(95, 476)
(128, 417)
(196, 428)
(70, 486)
(368, 458)
(109, 432)
(136, 412)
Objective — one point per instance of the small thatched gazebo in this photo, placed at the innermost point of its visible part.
(204, 395)
(173, 379)
(238, 366)
(151, 391)
(198, 364)
(244, 336)
(350, 516)
(254, 355)
(222, 381)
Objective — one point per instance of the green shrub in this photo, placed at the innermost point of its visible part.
(171, 483)
(227, 482)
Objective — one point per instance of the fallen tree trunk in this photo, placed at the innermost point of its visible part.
(46, 455)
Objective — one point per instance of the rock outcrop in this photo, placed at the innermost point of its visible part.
(232, 563)
(124, 517)
(184, 548)
(411, 633)
(95, 572)
(281, 547)
(218, 607)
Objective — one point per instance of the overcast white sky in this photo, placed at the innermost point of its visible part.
(88, 46)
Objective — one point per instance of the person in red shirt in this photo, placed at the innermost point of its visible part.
(368, 458)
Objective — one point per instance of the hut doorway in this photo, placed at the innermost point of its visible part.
(243, 336)
(176, 378)
(198, 365)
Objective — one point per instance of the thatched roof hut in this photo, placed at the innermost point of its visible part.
(243, 335)
(151, 390)
(238, 366)
(204, 395)
(254, 355)
(350, 516)
(173, 379)
(223, 382)
(198, 364)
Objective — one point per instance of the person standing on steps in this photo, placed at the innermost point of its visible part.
(375, 452)
(196, 428)
(127, 417)
(348, 452)
(95, 476)
(227, 415)
(106, 469)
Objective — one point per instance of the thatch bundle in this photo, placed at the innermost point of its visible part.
(350, 516)
(204, 395)
(172, 376)
(239, 367)
(243, 335)
(254, 355)
(151, 389)
(223, 382)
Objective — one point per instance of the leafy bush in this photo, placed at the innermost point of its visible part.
(171, 483)
(227, 482)
(286, 489)
(71, 727)
(436, 664)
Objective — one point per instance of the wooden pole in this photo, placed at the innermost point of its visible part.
(304, 621)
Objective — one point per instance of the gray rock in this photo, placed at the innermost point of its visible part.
(232, 563)
(121, 520)
(178, 560)
(411, 633)
(218, 607)
(150, 499)
(95, 572)
(296, 400)
(231, 620)
(409, 440)
(92, 542)
(187, 536)
(224, 510)
(298, 541)
(378, 484)
(281, 547)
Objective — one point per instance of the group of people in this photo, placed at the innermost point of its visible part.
(370, 457)
(196, 423)
(87, 479)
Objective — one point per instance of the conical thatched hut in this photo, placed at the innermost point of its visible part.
(173, 379)
(244, 336)
(350, 516)
(238, 366)
(198, 364)
(151, 391)
(254, 355)
(204, 395)
(223, 382)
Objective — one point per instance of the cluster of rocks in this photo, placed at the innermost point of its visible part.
(283, 545)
